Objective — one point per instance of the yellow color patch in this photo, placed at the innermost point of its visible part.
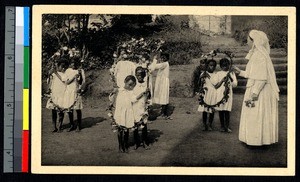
(25, 109)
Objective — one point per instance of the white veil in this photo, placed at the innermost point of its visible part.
(261, 43)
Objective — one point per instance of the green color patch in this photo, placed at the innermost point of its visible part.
(26, 67)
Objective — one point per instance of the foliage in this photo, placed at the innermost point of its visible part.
(274, 27)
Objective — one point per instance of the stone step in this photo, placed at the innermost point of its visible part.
(272, 55)
(279, 75)
(277, 67)
(279, 60)
(242, 89)
(280, 82)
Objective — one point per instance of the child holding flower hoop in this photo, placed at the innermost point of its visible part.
(124, 113)
(225, 108)
(56, 100)
(208, 82)
(139, 108)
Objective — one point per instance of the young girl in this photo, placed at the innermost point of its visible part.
(210, 93)
(124, 114)
(123, 68)
(76, 65)
(139, 108)
(70, 95)
(224, 109)
(196, 81)
(161, 89)
(57, 88)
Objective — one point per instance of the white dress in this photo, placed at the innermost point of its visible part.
(259, 124)
(139, 106)
(124, 114)
(78, 104)
(210, 96)
(71, 89)
(122, 70)
(57, 92)
(162, 83)
(220, 91)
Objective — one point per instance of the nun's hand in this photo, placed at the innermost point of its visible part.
(236, 70)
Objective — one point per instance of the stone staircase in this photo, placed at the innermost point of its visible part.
(278, 57)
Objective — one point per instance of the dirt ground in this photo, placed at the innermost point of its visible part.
(177, 142)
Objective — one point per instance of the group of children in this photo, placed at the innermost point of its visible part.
(66, 80)
(214, 85)
(134, 93)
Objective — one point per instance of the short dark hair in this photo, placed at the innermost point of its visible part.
(130, 77)
(211, 60)
(63, 62)
(165, 56)
(224, 62)
(139, 68)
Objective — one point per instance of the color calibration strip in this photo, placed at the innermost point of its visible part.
(16, 117)
(25, 134)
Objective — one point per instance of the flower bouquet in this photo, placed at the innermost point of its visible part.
(250, 103)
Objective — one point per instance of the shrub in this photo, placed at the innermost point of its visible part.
(274, 27)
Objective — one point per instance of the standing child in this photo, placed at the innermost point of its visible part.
(162, 83)
(78, 106)
(139, 108)
(124, 114)
(210, 93)
(196, 81)
(224, 109)
(57, 88)
(70, 95)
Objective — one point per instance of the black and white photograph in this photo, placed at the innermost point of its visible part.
(141, 89)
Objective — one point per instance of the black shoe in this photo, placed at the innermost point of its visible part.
(55, 130)
(71, 128)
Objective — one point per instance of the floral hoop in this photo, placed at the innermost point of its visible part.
(133, 50)
(226, 83)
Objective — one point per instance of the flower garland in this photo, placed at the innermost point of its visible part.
(227, 82)
(135, 50)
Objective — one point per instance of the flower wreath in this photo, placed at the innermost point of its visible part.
(132, 50)
(226, 92)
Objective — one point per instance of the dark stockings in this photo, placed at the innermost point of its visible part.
(137, 137)
(54, 118)
(79, 118)
(224, 119)
(123, 135)
(210, 120)
(164, 110)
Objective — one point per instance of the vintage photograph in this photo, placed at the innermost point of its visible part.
(162, 90)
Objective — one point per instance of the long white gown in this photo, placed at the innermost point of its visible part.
(259, 124)
(162, 84)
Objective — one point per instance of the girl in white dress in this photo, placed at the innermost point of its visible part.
(70, 95)
(162, 84)
(210, 93)
(124, 113)
(224, 109)
(56, 100)
(259, 115)
(139, 108)
(78, 106)
(123, 68)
